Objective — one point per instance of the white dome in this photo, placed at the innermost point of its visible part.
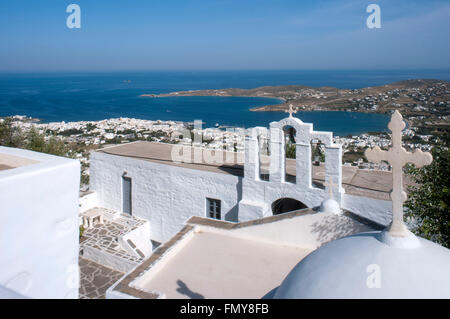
(408, 267)
(330, 206)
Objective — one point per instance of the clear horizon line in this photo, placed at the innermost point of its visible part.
(220, 70)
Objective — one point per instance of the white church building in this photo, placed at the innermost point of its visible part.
(221, 226)
(301, 254)
(166, 184)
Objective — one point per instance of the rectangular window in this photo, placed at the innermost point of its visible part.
(213, 208)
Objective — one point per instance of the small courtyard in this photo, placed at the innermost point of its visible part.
(111, 261)
(95, 279)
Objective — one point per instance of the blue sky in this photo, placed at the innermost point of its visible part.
(223, 35)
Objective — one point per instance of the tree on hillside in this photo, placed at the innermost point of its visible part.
(57, 147)
(10, 135)
(428, 202)
(36, 142)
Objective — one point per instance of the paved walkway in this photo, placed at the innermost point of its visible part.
(104, 237)
(95, 279)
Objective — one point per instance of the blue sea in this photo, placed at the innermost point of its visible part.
(97, 96)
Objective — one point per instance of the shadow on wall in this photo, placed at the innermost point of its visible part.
(333, 227)
(184, 290)
(233, 169)
(233, 214)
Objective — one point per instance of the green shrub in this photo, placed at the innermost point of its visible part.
(81, 231)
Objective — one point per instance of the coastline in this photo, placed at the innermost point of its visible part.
(339, 123)
(423, 102)
(253, 109)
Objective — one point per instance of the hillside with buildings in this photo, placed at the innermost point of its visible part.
(423, 103)
(79, 138)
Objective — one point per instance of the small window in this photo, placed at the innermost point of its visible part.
(213, 208)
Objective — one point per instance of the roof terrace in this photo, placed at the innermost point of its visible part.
(210, 258)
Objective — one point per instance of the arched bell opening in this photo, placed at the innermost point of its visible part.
(284, 205)
(290, 151)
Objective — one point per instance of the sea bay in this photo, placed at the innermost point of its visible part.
(96, 96)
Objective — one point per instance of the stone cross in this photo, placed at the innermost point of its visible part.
(330, 184)
(397, 157)
(291, 110)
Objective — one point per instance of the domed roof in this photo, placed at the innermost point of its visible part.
(371, 265)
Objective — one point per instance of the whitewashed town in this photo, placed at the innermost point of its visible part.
(93, 134)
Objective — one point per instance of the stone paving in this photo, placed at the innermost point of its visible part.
(95, 279)
(104, 237)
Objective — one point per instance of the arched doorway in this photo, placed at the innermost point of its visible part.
(284, 205)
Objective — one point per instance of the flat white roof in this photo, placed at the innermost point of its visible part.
(8, 161)
(210, 258)
(16, 161)
(213, 265)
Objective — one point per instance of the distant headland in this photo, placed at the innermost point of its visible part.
(424, 102)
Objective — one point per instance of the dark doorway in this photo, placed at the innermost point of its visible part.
(126, 195)
(284, 205)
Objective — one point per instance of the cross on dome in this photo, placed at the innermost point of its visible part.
(397, 157)
(291, 110)
(330, 184)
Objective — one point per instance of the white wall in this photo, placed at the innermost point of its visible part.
(308, 231)
(39, 226)
(258, 195)
(165, 195)
(168, 195)
(88, 201)
(265, 192)
(377, 210)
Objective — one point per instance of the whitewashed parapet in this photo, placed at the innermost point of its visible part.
(376, 210)
(88, 201)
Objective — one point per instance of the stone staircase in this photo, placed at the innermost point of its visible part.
(121, 242)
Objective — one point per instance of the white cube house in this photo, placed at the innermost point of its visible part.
(39, 227)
